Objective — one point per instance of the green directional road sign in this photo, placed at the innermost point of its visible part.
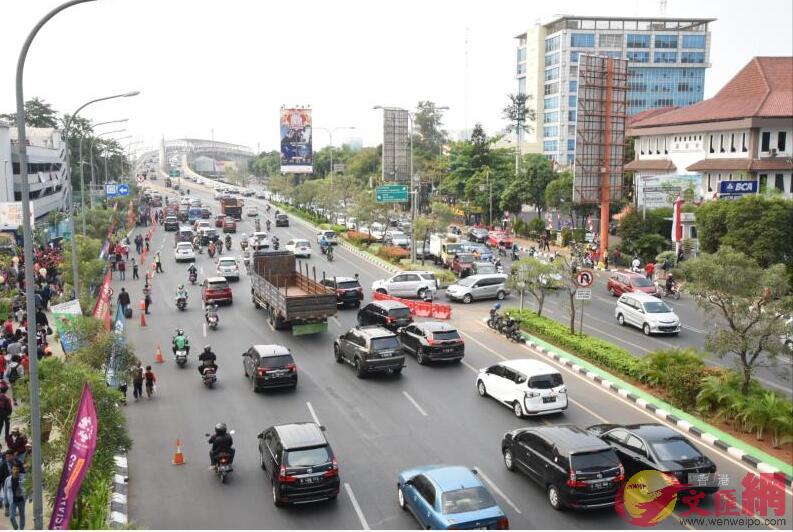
(175, 173)
(391, 194)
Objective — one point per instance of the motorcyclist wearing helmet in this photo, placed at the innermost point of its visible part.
(221, 442)
(212, 309)
(228, 242)
(511, 325)
(208, 360)
(180, 342)
(192, 270)
(181, 292)
(670, 284)
(494, 310)
(324, 245)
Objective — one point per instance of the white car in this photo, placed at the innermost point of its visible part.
(261, 195)
(407, 284)
(352, 223)
(184, 252)
(330, 236)
(203, 224)
(397, 238)
(529, 387)
(377, 230)
(341, 220)
(252, 211)
(228, 268)
(646, 312)
(300, 247)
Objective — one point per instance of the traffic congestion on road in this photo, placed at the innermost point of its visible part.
(364, 415)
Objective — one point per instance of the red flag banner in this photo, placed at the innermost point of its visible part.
(102, 307)
(78, 460)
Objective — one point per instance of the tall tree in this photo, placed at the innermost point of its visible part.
(559, 193)
(518, 115)
(429, 138)
(530, 184)
(536, 277)
(38, 113)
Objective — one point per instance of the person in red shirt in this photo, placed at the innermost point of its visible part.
(8, 326)
(649, 269)
(151, 380)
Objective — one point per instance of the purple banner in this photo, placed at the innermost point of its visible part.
(78, 460)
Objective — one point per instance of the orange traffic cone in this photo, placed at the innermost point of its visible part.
(178, 457)
(158, 357)
(143, 319)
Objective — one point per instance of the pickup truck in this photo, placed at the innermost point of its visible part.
(291, 298)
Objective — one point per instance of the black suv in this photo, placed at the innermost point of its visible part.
(390, 314)
(577, 469)
(432, 340)
(171, 223)
(370, 349)
(300, 463)
(348, 290)
(269, 366)
(281, 220)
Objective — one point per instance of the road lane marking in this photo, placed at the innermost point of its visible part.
(495, 488)
(469, 366)
(354, 501)
(418, 407)
(499, 355)
(313, 414)
(335, 320)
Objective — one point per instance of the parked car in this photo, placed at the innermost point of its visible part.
(625, 281)
(652, 446)
(389, 314)
(462, 264)
(499, 238)
(228, 268)
(348, 290)
(171, 223)
(478, 234)
(449, 497)
(575, 468)
(646, 312)
(229, 225)
(352, 224)
(407, 284)
(219, 219)
(184, 252)
(330, 236)
(397, 238)
(269, 366)
(299, 462)
(281, 220)
(431, 341)
(216, 289)
(371, 349)
(479, 286)
(529, 387)
(300, 247)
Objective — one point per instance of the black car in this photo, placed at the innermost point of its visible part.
(208, 235)
(651, 446)
(432, 340)
(390, 314)
(281, 220)
(478, 234)
(269, 366)
(205, 213)
(171, 223)
(576, 468)
(370, 349)
(348, 290)
(300, 463)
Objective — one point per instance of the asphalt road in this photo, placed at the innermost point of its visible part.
(377, 426)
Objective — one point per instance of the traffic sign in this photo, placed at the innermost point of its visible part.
(111, 190)
(123, 190)
(175, 173)
(140, 179)
(584, 278)
(583, 294)
(391, 194)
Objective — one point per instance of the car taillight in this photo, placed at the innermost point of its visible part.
(502, 524)
(390, 319)
(283, 477)
(360, 290)
(262, 371)
(291, 367)
(573, 483)
(333, 471)
(621, 476)
(431, 341)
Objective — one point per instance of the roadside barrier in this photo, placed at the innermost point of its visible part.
(419, 309)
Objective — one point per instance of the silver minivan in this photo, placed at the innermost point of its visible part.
(484, 286)
(407, 284)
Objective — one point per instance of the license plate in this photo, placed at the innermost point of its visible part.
(549, 399)
(448, 350)
(310, 480)
(600, 485)
(386, 355)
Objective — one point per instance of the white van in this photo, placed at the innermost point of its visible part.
(529, 387)
(646, 312)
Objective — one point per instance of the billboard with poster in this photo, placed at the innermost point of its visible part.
(296, 150)
(657, 191)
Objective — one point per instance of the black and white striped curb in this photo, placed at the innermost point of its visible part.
(684, 426)
(118, 499)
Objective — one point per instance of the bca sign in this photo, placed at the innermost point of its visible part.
(737, 188)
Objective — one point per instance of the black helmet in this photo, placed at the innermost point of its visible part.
(207, 348)
(220, 428)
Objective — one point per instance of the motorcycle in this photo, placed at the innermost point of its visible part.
(209, 377)
(181, 357)
(663, 292)
(223, 467)
(181, 303)
(515, 255)
(496, 322)
(213, 320)
(228, 243)
(243, 244)
(267, 224)
(514, 334)
(329, 256)
(193, 277)
(211, 252)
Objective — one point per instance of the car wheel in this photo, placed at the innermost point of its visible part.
(612, 292)
(398, 371)
(276, 502)
(245, 370)
(421, 293)
(337, 354)
(646, 329)
(401, 498)
(553, 498)
(620, 319)
(480, 387)
(467, 298)
(508, 460)
(500, 295)
(381, 291)
(254, 388)
(517, 409)
(360, 372)
(420, 356)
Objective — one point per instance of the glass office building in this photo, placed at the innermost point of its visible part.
(667, 62)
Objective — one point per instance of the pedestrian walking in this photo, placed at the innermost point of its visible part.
(134, 269)
(124, 300)
(137, 381)
(147, 240)
(6, 409)
(146, 298)
(13, 373)
(7, 461)
(649, 269)
(158, 262)
(15, 496)
(151, 380)
(122, 270)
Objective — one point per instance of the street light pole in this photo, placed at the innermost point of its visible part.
(82, 163)
(27, 232)
(91, 150)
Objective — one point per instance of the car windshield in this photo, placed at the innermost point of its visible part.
(278, 361)
(307, 457)
(596, 461)
(674, 449)
(227, 262)
(464, 257)
(399, 312)
(397, 234)
(302, 243)
(466, 500)
(656, 307)
(468, 281)
(218, 285)
(641, 282)
(182, 246)
(347, 285)
(545, 382)
(445, 335)
(384, 343)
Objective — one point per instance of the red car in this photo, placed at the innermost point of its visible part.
(219, 219)
(216, 289)
(463, 264)
(494, 238)
(625, 281)
(229, 225)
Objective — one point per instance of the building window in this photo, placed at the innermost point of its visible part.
(570, 144)
(732, 143)
(572, 101)
(551, 88)
(693, 41)
(765, 141)
(551, 102)
(573, 71)
(666, 41)
(664, 57)
(522, 86)
(711, 150)
(551, 117)
(779, 182)
(571, 116)
(574, 57)
(582, 40)
(721, 144)
(692, 57)
(743, 142)
(550, 145)
(550, 131)
(521, 55)
(552, 74)
(552, 44)
(613, 54)
(666, 148)
(781, 140)
(574, 88)
(638, 40)
(638, 57)
(552, 59)
(571, 130)
(521, 68)
(610, 40)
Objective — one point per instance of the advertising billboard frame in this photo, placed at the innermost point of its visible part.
(296, 128)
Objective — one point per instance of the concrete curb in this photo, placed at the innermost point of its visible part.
(118, 500)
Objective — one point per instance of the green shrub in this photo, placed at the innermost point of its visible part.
(678, 372)
(536, 227)
(567, 236)
(579, 235)
(392, 253)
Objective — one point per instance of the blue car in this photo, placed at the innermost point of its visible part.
(449, 497)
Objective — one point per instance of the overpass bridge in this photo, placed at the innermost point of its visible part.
(198, 151)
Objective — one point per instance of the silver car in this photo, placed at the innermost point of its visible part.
(485, 286)
(407, 284)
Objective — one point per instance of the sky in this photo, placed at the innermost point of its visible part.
(222, 68)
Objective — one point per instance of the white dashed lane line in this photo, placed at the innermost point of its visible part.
(413, 401)
(356, 506)
(495, 488)
(313, 414)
